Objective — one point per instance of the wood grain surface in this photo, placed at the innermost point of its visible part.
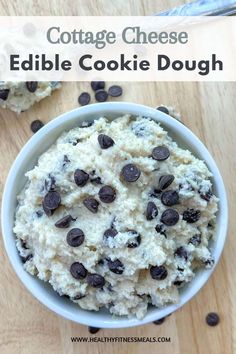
(26, 326)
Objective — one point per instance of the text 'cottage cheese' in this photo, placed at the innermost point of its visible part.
(115, 214)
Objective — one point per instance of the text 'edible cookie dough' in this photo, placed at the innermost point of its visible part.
(115, 214)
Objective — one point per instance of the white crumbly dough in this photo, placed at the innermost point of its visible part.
(18, 98)
(43, 246)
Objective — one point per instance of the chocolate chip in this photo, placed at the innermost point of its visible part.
(115, 91)
(32, 86)
(178, 282)
(101, 95)
(163, 109)
(47, 211)
(191, 215)
(107, 194)
(64, 222)
(195, 240)
(91, 204)
(160, 321)
(135, 242)
(212, 319)
(97, 85)
(50, 183)
(78, 271)
(36, 125)
(158, 272)
(96, 280)
(52, 200)
(209, 262)
(160, 153)
(25, 259)
(186, 186)
(181, 253)
(93, 330)
(206, 196)
(130, 173)
(151, 211)
(75, 237)
(110, 233)
(80, 177)
(105, 141)
(39, 213)
(160, 229)
(116, 266)
(93, 179)
(170, 198)
(65, 160)
(78, 297)
(170, 217)
(165, 181)
(155, 193)
(4, 94)
(84, 98)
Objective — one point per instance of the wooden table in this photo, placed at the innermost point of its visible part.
(28, 327)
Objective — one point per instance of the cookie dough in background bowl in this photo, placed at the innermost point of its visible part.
(27, 160)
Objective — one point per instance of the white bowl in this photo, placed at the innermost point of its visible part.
(27, 159)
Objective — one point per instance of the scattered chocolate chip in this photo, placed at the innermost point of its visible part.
(84, 98)
(155, 193)
(105, 141)
(180, 269)
(91, 204)
(178, 282)
(97, 85)
(75, 237)
(78, 271)
(26, 258)
(115, 91)
(107, 194)
(165, 181)
(181, 253)
(4, 94)
(186, 186)
(96, 280)
(78, 297)
(32, 86)
(101, 95)
(116, 266)
(65, 160)
(130, 173)
(160, 229)
(151, 211)
(160, 153)
(93, 330)
(206, 196)
(191, 215)
(50, 183)
(170, 198)
(209, 262)
(95, 180)
(158, 272)
(101, 262)
(110, 233)
(36, 125)
(163, 109)
(39, 213)
(52, 200)
(170, 217)
(195, 240)
(64, 222)
(212, 319)
(80, 177)
(136, 241)
(160, 321)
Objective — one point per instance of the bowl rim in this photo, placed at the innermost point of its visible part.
(118, 108)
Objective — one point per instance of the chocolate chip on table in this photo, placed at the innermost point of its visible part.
(163, 109)
(107, 194)
(52, 200)
(170, 217)
(91, 204)
(96, 280)
(32, 86)
(105, 141)
(78, 271)
(160, 321)
(64, 222)
(212, 319)
(116, 266)
(115, 91)
(101, 95)
(81, 177)
(160, 153)
(181, 253)
(75, 237)
(36, 125)
(158, 272)
(130, 173)
(170, 198)
(165, 181)
(97, 85)
(93, 330)
(4, 94)
(136, 241)
(84, 98)
(191, 215)
(110, 233)
(195, 240)
(151, 211)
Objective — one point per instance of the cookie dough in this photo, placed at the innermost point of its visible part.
(116, 215)
(20, 96)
